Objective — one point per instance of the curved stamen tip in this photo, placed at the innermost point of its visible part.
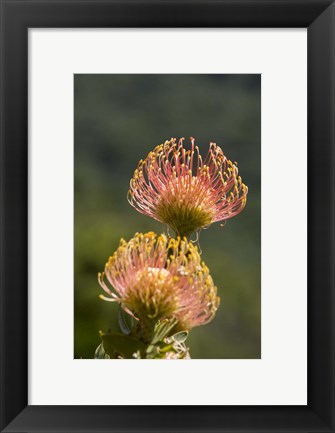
(105, 298)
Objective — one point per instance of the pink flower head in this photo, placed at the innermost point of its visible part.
(177, 187)
(154, 278)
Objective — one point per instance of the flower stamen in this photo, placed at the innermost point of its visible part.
(177, 187)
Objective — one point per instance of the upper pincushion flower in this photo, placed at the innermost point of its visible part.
(178, 187)
(156, 278)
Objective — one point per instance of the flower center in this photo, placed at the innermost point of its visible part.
(151, 296)
(185, 205)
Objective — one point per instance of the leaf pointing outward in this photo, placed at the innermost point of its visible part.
(100, 353)
(123, 322)
(180, 337)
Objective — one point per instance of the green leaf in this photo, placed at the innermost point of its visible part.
(123, 322)
(167, 348)
(159, 349)
(181, 336)
(100, 353)
(122, 345)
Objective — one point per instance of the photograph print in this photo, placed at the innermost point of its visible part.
(167, 216)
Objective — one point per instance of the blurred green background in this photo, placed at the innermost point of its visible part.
(118, 119)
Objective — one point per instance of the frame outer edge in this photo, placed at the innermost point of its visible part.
(14, 275)
(13, 214)
(321, 184)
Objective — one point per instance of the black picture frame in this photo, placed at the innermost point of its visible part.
(17, 16)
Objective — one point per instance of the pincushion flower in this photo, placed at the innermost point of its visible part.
(154, 278)
(178, 187)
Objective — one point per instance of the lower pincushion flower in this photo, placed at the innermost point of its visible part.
(178, 187)
(155, 278)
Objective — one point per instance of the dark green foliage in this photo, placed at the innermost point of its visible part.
(122, 345)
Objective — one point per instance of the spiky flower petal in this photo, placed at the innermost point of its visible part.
(154, 278)
(177, 187)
